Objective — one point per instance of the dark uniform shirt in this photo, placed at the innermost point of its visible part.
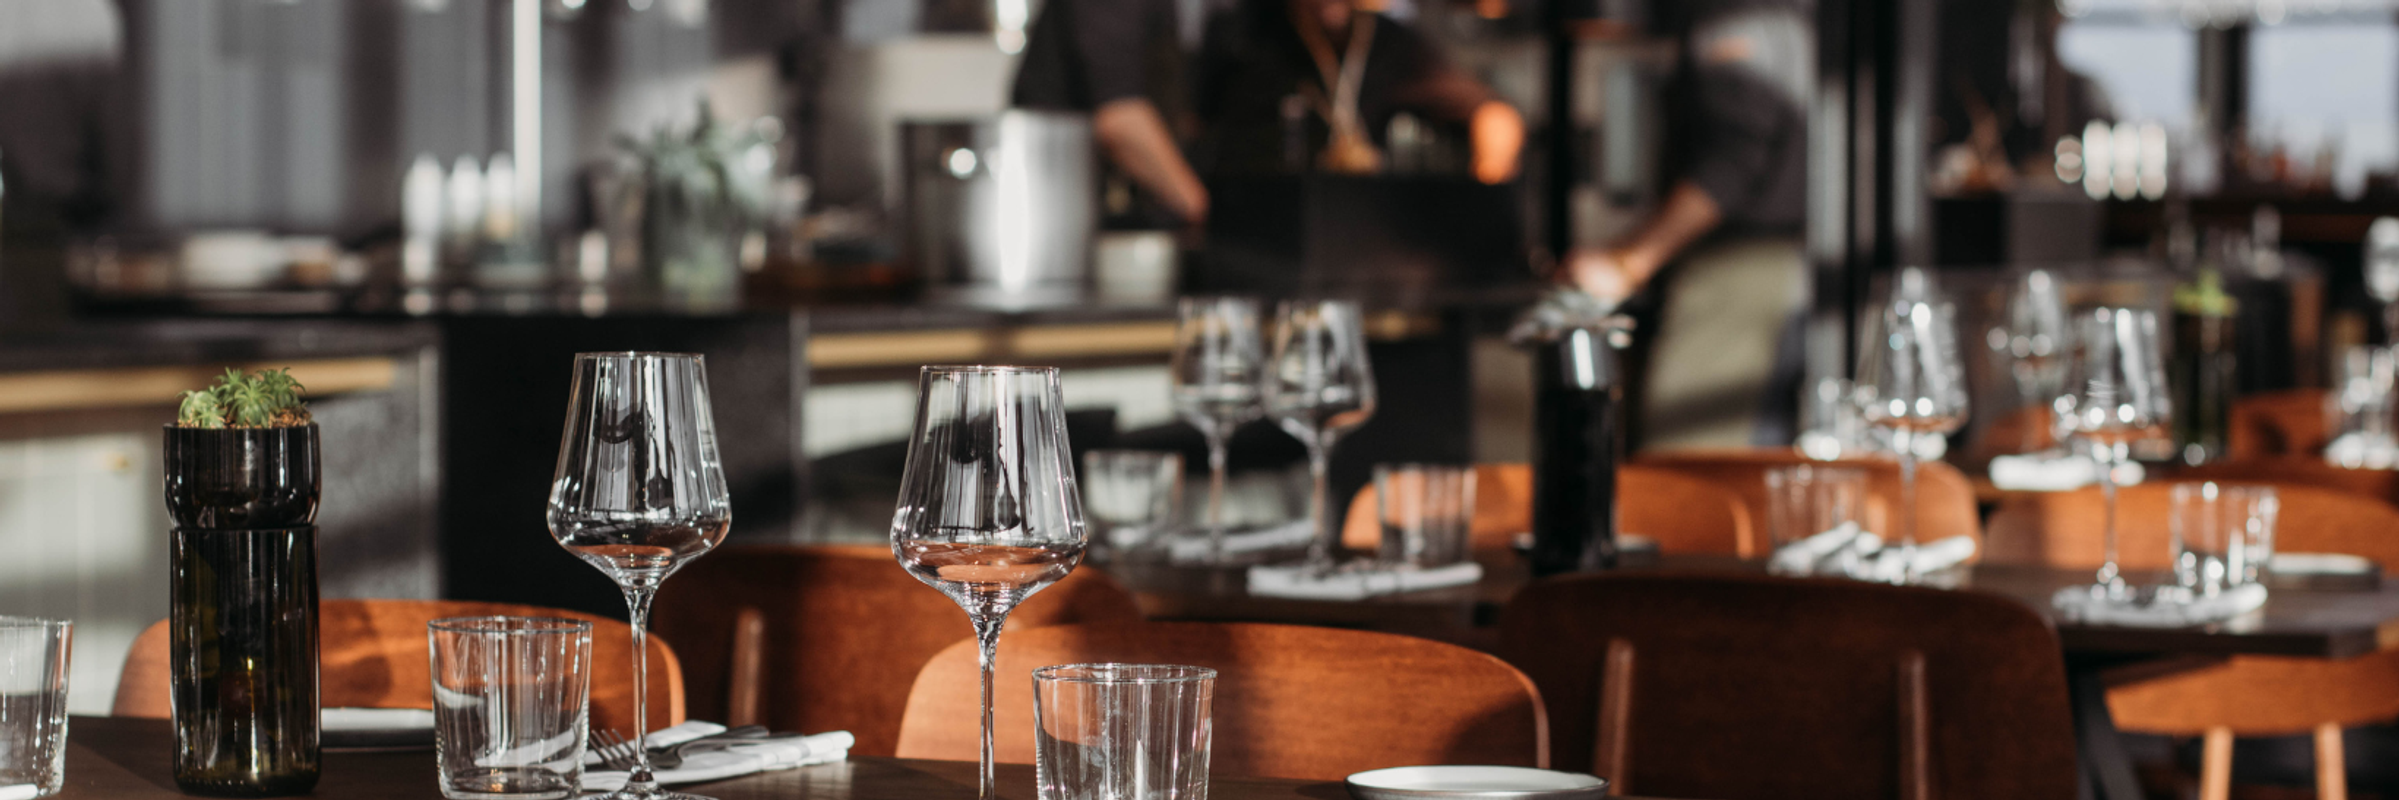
(1252, 59)
(1738, 121)
(1083, 54)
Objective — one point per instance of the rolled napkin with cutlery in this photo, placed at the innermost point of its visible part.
(1356, 583)
(1184, 549)
(2038, 472)
(2160, 610)
(1805, 556)
(732, 758)
(1890, 563)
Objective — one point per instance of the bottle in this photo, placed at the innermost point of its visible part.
(243, 652)
(2203, 367)
(1577, 432)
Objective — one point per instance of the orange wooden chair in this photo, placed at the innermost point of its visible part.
(374, 654)
(1684, 514)
(1753, 687)
(2246, 695)
(2288, 422)
(1943, 494)
(2296, 470)
(1291, 701)
(830, 637)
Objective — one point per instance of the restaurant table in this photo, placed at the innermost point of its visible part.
(117, 758)
(2332, 620)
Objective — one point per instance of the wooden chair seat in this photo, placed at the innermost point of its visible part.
(2288, 422)
(1753, 687)
(375, 654)
(830, 637)
(1943, 494)
(1683, 514)
(2297, 470)
(1291, 702)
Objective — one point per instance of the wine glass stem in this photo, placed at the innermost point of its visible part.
(1905, 526)
(637, 608)
(1321, 549)
(2108, 572)
(987, 643)
(1216, 471)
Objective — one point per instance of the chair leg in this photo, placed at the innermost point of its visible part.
(2332, 768)
(2215, 765)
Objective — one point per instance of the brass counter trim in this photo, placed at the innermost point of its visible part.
(72, 389)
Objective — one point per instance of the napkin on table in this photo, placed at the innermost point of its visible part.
(20, 791)
(734, 761)
(1301, 581)
(1195, 547)
(1890, 563)
(1803, 556)
(2076, 603)
(2037, 472)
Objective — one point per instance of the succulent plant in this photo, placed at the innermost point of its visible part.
(268, 398)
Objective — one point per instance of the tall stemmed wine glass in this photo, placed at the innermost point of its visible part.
(1911, 382)
(2116, 394)
(1217, 363)
(988, 510)
(2034, 337)
(1318, 386)
(639, 491)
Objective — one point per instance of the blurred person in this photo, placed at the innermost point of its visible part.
(1725, 358)
(1121, 61)
(63, 145)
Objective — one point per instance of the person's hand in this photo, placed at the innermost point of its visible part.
(1600, 273)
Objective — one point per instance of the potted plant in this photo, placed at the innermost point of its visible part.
(242, 480)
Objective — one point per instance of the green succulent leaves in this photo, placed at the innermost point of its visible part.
(264, 399)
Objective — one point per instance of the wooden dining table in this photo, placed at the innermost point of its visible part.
(119, 758)
(2331, 619)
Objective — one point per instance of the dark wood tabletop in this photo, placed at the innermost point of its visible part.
(112, 758)
(2326, 621)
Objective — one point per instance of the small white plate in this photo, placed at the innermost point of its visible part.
(376, 728)
(2320, 564)
(1475, 783)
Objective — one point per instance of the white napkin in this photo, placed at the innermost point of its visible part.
(2360, 450)
(20, 791)
(2319, 564)
(1803, 557)
(1194, 546)
(2043, 472)
(735, 760)
(1890, 563)
(1301, 581)
(375, 719)
(2077, 603)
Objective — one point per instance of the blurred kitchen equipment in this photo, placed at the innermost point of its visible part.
(1134, 266)
(1001, 209)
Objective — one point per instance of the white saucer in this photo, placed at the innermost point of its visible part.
(376, 728)
(1475, 783)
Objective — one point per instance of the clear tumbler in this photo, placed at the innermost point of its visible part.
(2222, 535)
(511, 706)
(33, 705)
(1122, 731)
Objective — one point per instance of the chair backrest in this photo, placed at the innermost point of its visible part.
(1683, 514)
(1944, 495)
(844, 631)
(2288, 422)
(2298, 470)
(1751, 687)
(2066, 529)
(375, 654)
(1291, 701)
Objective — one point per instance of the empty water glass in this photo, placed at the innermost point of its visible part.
(2360, 410)
(511, 706)
(1130, 496)
(33, 705)
(2222, 536)
(1814, 514)
(1122, 731)
(1425, 511)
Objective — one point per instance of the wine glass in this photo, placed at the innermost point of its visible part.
(1912, 383)
(639, 491)
(988, 511)
(1217, 363)
(2034, 338)
(2116, 394)
(1318, 386)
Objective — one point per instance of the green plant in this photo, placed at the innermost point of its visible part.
(268, 398)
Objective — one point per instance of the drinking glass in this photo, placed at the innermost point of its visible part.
(1911, 383)
(988, 512)
(1122, 731)
(2221, 535)
(1426, 512)
(639, 491)
(1805, 501)
(1319, 386)
(2115, 396)
(2034, 337)
(511, 706)
(1131, 495)
(33, 705)
(2362, 410)
(1217, 365)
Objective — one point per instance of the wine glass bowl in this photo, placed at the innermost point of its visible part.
(1319, 385)
(1218, 366)
(2116, 394)
(639, 491)
(2034, 338)
(1911, 382)
(988, 510)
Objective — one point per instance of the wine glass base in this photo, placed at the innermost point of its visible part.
(629, 793)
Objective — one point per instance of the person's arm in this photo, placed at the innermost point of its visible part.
(1135, 137)
(1498, 133)
(1613, 273)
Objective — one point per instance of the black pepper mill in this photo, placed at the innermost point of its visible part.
(1577, 440)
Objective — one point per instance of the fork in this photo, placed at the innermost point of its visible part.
(614, 750)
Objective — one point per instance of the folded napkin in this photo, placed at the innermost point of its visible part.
(1194, 546)
(2161, 610)
(1890, 564)
(1355, 583)
(1808, 556)
(375, 719)
(734, 761)
(2361, 450)
(2043, 472)
(20, 791)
